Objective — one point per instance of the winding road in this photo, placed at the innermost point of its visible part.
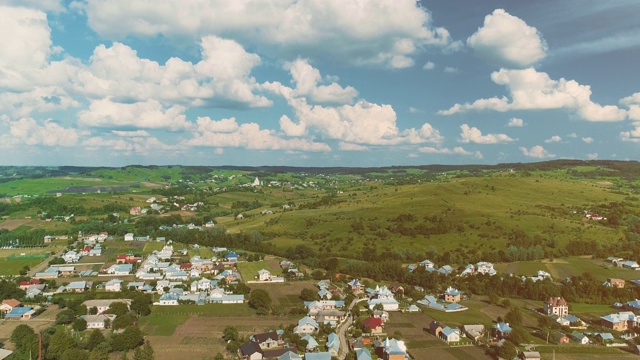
(344, 346)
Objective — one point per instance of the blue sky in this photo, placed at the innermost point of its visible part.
(317, 82)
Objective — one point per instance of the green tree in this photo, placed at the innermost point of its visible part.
(218, 356)
(60, 342)
(65, 317)
(21, 335)
(518, 335)
(147, 351)
(95, 338)
(117, 308)
(80, 324)
(230, 333)
(514, 317)
(98, 354)
(123, 321)
(129, 339)
(308, 294)
(141, 304)
(75, 354)
(260, 300)
(507, 351)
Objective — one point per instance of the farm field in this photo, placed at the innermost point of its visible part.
(201, 336)
(286, 294)
(249, 270)
(562, 268)
(38, 323)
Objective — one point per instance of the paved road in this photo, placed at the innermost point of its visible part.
(45, 264)
(344, 346)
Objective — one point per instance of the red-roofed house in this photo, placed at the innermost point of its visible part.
(375, 324)
(8, 305)
(85, 251)
(186, 266)
(24, 285)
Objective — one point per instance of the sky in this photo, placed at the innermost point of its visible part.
(317, 82)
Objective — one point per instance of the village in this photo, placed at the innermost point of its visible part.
(335, 324)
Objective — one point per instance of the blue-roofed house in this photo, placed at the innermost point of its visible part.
(394, 349)
(446, 270)
(290, 355)
(312, 344)
(356, 286)
(325, 294)
(77, 286)
(633, 305)
(317, 356)
(580, 337)
(411, 267)
(306, 325)
(232, 258)
(333, 344)
(630, 265)
(604, 337)
(501, 330)
(427, 264)
(452, 295)
(20, 313)
(169, 299)
(363, 354)
(450, 334)
(113, 285)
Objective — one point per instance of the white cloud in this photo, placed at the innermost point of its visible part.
(572, 135)
(143, 115)
(129, 145)
(44, 5)
(507, 40)
(474, 135)
(587, 140)
(450, 70)
(632, 135)
(429, 65)
(515, 122)
(592, 156)
(455, 151)
(351, 147)
(533, 90)
(216, 133)
(388, 32)
(537, 152)
(412, 155)
(306, 78)
(553, 139)
(28, 131)
(136, 133)
(415, 110)
(218, 151)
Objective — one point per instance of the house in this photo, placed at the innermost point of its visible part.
(318, 356)
(306, 325)
(325, 294)
(604, 337)
(24, 285)
(621, 321)
(4, 353)
(264, 275)
(66, 270)
(530, 355)
(120, 269)
(383, 296)
(231, 258)
(450, 334)
(363, 354)
(266, 340)
(103, 304)
(128, 237)
(113, 285)
(631, 265)
(501, 330)
(392, 349)
(77, 286)
(356, 287)
(452, 295)
(561, 338)
(617, 283)
(169, 299)
(556, 306)
(98, 321)
(285, 264)
(333, 344)
(446, 270)
(71, 256)
(468, 270)
(312, 344)
(20, 313)
(375, 324)
(474, 332)
(250, 351)
(484, 267)
(9, 304)
(290, 355)
(435, 327)
(580, 338)
(396, 288)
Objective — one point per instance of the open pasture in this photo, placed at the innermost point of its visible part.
(249, 270)
(562, 268)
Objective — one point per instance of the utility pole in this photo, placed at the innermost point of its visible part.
(40, 345)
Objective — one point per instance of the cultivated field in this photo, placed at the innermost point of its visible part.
(249, 270)
(566, 267)
(38, 323)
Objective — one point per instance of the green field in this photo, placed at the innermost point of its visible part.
(562, 268)
(13, 267)
(249, 270)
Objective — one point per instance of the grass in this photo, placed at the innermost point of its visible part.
(164, 325)
(249, 270)
(13, 267)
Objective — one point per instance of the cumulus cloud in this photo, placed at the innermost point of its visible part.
(388, 32)
(228, 133)
(592, 156)
(631, 135)
(55, 6)
(136, 133)
(451, 70)
(474, 135)
(458, 150)
(351, 147)
(553, 139)
(144, 115)
(587, 140)
(507, 40)
(306, 79)
(537, 152)
(533, 90)
(142, 145)
(429, 65)
(633, 103)
(515, 122)
(28, 131)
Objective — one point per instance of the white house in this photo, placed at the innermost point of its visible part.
(128, 237)
(450, 334)
(103, 304)
(113, 285)
(264, 275)
(97, 321)
(169, 299)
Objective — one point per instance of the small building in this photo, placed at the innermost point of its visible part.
(20, 313)
(452, 295)
(9, 304)
(580, 338)
(374, 324)
(128, 237)
(264, 275)
(617, 283)
(113, 285)
(98, 321)
(556, 306)
(450, 334)
(530, 355)
(561, 338)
